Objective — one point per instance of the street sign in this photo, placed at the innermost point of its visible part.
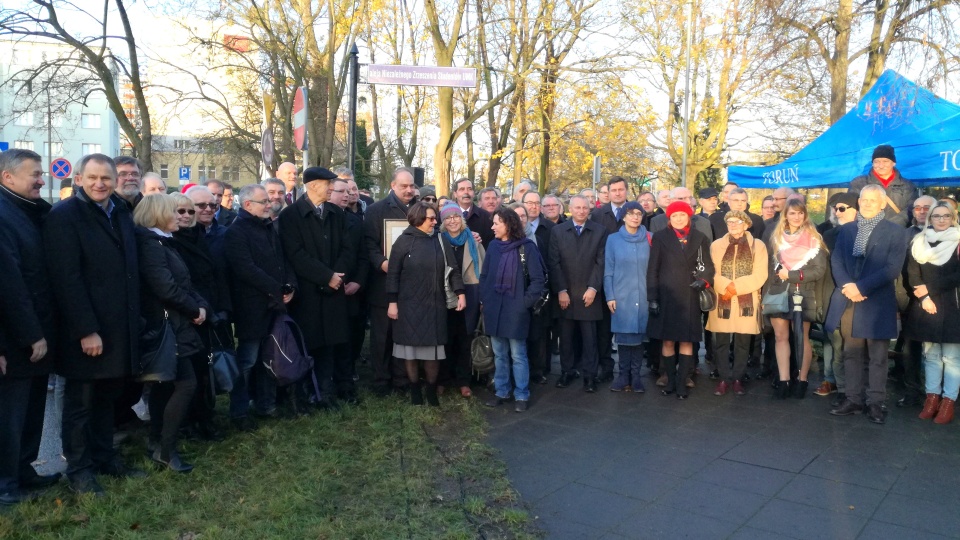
(422, 75)
(4, 146)
(60, 168)
(266, 147)
(185, 172)
(300, 118)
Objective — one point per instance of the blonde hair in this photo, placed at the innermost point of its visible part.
(154, 211)
(800, 205)
(181, 199)
(737, 214)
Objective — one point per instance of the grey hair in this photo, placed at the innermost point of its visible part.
(248, 192)
(197, 189)
(105, 160)
(398, 171)
(343, 173)
(872, 188)
(488, 190)
(11, 160)
(275, 181)
(739, 191)
(581, 197)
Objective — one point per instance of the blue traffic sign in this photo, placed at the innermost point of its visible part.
(185, 172)
(60, 168)
(4, 146)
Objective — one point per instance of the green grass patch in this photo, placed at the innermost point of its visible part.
(380, 470)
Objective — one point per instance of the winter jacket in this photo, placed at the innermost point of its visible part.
(508, 316)
(626, 257)
(750, 283)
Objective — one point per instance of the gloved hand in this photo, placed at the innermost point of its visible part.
(698, 284)
(654, 308)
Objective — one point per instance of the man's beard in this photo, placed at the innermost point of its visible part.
(129, 190)
(275, 208)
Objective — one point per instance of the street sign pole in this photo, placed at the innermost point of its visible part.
(596, 173)
(352, 123)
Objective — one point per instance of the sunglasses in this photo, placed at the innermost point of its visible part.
(840, 209)
(183, 211)
(432, 218)
(203, 205)
(429, 199)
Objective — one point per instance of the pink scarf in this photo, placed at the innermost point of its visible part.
(794, 250)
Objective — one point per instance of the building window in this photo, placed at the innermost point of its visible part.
(90, 148)
(212, 173)
(57, 149)
(24, 119)
(23, 145)
(231, 174)
(164, 172)
(90, 121)
(56, 121)
(201, 173)
(180, 144)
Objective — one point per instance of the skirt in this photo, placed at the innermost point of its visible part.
(422, 352)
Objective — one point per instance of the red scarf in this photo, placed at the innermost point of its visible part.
(885, 181)
(682, 234)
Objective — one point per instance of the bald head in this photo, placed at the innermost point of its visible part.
(287, 172)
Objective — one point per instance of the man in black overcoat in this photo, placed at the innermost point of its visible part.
(576, 277)
(26, 325)
(737, 199)
(92, 263)
(355, 286)
(538, 352)
(314, 235)
(477, 219)
(394, 206)
(609, 215)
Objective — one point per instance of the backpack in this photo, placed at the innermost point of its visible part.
(284, 353)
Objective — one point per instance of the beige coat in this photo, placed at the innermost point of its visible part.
(752, 283)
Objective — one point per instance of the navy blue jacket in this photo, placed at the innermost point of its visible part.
(509, 316)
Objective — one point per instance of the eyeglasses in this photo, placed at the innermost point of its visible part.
(918, 208)
(429, 199)
(840, 209)
(129, 174)
(432, 218)
(551, 205)
(452, 216)
(264, 202)
(634, 213)
(941, 216)
(338, 190)
(734, 222)
(213, 206)
(183, 211)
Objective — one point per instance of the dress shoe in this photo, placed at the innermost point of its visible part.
(12, 498)
(825, 389)
(875, 413)
(764, 374)
(118, 469)
(838, 399)
(173, 462)
(244, 424)
(910, 401)
(540, 379)
(604, 375)
(589, 385)
(721, 388)
(662, 380)
(416, 396)
(715, 375)
(272, 413)
(945, 412)
(847, 408)
(690, 383)
(430, 393)
(930, 407)
(738, 388)
(86, 483)
(495, 402)
(520, 405)
(746, 377)
(39, 481)
(382, 390)
(565, 380)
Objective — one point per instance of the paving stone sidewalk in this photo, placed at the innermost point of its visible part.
(626, 465)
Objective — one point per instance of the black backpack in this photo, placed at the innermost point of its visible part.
(284, 353)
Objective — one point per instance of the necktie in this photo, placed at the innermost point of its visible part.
(579, 228)
(465, 214)
(616, 213)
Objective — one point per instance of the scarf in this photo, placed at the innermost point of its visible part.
(885, 181)
(737, 262)
(864, 229)
(795, 250)
(507, 268)
(466, 237)
(936, 248)
(682, 235)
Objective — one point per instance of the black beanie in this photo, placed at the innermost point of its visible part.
(884, 151)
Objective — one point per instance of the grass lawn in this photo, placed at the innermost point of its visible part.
(380, 470)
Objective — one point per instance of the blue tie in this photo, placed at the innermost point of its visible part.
(579, 228)
(616, 214)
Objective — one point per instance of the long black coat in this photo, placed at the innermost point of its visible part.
(942, 282)
(356, 302)
(166, 286)
(388, 208)
(26, 301)
(207, 274)
(92, 261)
(669, 275)
(258, 271)
(481, 222)
(415, 283)
(576, 263)
(317, 248)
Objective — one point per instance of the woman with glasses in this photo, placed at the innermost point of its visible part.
(740, 265)
(417, 299)
(460, 324)
(798, 261)
(933, 271)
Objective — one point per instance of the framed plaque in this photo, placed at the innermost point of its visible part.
(392, 229)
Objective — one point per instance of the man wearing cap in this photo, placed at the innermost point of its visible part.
(708, 199)
(315, 240)
(900, 193)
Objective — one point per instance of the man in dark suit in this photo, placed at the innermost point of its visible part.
(26, 325)
(355, 286)
(868, 258)
(539, 337)
(98, 302)
(737, 199)
(313, 232)
(394, 206)
(476, 218)
(576, 276)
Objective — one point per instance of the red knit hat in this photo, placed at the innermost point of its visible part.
(679, 206)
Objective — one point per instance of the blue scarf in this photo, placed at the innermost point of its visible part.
(466, 237)
(509, 263)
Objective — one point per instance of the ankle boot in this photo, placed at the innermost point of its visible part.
(416, 398)
(684, 370)
(669, 363)
(945, 412)
(783, 390)
(431, 393)
(800, 389)
(930, 407)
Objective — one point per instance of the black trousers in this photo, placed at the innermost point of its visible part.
(912, 367)
(538, 349)
(87, 432)
(333, 368)
(587, 331)
(721, 355)
(456, 369)
(604, 340)
(204, 398)
(387, 370)
(22, 404)
(169, 405)
(859, 353)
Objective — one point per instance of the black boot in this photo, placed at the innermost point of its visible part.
(783, 390)
(800, 390)
(684, 370)
(431, 394)
(416, 398)
(670, 364)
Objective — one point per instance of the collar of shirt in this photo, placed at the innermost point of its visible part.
(535, 223)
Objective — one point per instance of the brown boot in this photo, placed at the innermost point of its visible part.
(945, 413)
(930, 407)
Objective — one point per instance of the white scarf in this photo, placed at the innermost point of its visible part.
(924, 253)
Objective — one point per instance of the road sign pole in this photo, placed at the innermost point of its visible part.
(352, 123)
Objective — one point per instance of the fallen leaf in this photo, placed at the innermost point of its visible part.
(135, 526)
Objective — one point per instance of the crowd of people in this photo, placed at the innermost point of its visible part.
(120, 273)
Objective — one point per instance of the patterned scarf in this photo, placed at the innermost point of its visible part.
(795, 250)
(682, 235)
(864, 229)
(737, 262)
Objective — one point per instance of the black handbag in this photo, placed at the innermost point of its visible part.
(158, 356)
(449, 294)
(708, 297)
(544, 294)
(222, 362)
(481, 351)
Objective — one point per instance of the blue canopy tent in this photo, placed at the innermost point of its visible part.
(923, 129)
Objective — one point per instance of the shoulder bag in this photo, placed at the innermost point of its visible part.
(222, 362)
(544, 294)
(708, 298)
(158, 357)
(481, 351)
(448, 270)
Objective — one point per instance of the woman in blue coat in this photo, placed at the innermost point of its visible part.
(625, 287)
(511, 281)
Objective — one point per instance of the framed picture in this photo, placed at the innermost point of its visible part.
(392, 229)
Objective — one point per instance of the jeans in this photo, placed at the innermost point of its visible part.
(941, 364)
(248, 352)
(503, 350)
